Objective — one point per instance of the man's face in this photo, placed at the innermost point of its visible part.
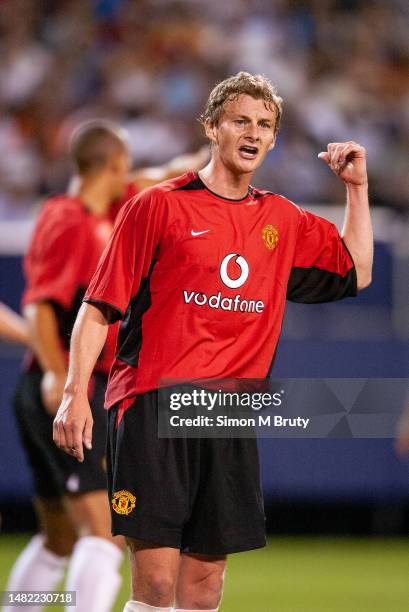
(244, 133)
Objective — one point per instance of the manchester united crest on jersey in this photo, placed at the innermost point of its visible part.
(123, 502)
(270, 237)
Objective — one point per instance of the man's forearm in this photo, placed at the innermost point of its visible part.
(357, 232)
(44, 337)
(146, 177)
(12, 326)
(88, 339)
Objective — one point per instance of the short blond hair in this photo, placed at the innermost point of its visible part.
(255, 85)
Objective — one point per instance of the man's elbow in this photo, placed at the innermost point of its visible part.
(364, 279)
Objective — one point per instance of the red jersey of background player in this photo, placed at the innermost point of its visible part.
(63, 254)
(200, 281)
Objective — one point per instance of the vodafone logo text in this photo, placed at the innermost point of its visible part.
(233, 276)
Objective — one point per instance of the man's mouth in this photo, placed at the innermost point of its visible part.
(248, 152)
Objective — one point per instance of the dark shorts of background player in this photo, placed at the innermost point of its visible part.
(54, 472)
(197, 495)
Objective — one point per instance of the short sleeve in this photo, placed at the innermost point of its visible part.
(129, 254)
(52, 274)
(322, 268)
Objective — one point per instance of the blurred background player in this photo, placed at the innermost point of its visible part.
(13, 327)
(71, 500)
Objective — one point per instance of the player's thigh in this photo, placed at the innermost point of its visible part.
(154, 570)
(149, 480)
(56, 525)
(227, 513)
(200, 580)
(91, 515)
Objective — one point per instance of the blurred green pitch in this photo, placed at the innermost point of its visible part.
(297, 575)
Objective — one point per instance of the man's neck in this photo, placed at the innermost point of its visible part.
(94, 195)
(218, 178)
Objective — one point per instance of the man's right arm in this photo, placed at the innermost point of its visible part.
(73, 423)
(124, 263)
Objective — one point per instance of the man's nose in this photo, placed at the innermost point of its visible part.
(253, 132)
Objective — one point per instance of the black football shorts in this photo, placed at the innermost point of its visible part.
(54, 472)
(199, 495)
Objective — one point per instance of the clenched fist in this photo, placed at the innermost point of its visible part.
(348, 161)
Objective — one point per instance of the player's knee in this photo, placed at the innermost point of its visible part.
(155, 588)
(59, 543)
(205, 593)
(91, 514)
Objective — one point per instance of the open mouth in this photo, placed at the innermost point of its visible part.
(248, 152)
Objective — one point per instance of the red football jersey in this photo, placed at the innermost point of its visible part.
(200, 281)
(65, 248)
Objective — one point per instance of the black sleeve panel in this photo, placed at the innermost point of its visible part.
(313, 286)
(113, 313)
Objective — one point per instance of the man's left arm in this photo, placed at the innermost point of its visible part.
(12, 326)
(147, 177)
(348, 161)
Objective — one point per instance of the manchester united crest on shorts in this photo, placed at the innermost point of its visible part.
(270, 237)
(123, 502)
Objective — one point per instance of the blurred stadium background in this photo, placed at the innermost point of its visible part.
(342, 68)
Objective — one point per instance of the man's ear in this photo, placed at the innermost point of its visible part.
(211, 131)
(112, 164)
(271, 146)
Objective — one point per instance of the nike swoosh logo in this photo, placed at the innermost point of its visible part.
(193, 233)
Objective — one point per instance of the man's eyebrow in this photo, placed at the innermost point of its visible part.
(241, 116)
(238, 115)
